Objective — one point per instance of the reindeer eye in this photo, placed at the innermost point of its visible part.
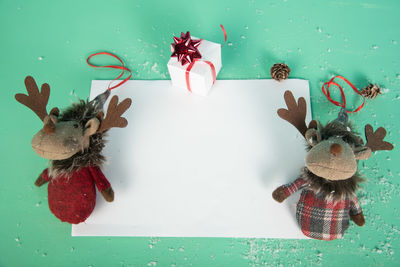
(76, 125)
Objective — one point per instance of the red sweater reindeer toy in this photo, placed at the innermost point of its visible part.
(329, 180)
(73, 142)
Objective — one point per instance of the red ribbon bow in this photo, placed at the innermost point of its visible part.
(185, 49)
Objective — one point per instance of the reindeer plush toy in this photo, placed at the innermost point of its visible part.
(329, 180)
(73, 141)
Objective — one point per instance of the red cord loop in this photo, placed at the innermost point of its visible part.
(123, 68)
(337, 103)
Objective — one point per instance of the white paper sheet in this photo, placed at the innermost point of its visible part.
(191, 166)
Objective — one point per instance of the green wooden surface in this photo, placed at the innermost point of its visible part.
(317, 39)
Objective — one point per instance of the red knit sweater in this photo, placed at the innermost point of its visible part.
(72, 199)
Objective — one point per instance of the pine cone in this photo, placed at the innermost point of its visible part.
(280, 71)
(371, 91)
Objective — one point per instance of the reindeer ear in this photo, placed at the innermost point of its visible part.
(53, 118)
(313, 137)
(54, 113)
(362, 153)
(91, 127)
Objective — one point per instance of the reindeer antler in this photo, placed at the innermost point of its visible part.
(114, 112)
(35, 100)
(295, 113)
(375, 139)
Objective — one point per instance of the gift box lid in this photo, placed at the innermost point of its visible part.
(209, 51)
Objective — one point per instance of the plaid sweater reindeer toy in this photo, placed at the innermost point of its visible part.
(329, 180)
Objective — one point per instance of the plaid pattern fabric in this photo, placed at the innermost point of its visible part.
(319, 217)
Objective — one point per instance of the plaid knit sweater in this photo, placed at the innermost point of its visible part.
(319, 216)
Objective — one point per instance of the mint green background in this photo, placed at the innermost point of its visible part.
(317, 39)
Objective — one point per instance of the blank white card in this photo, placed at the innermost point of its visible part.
(190, 166)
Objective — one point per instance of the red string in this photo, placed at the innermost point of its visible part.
(189, 68)
(339, 104)
(225, 35)
(123, 68)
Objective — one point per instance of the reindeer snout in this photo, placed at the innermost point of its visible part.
(335, 149)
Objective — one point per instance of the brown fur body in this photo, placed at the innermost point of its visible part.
(332, 189)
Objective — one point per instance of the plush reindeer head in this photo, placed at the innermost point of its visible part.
(334, 148)
(65, 135)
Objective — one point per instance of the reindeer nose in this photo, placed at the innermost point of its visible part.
(335, 149)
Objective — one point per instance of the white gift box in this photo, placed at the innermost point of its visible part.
(200, 76)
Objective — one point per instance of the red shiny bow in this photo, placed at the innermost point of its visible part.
(185, 48)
